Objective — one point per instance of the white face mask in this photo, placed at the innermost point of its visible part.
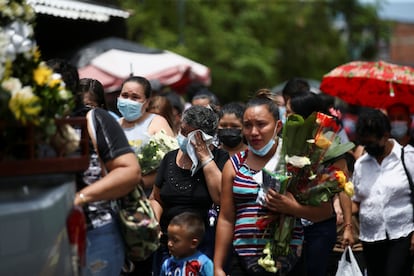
(399, 129)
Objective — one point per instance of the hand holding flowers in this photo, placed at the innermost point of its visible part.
(302, 173)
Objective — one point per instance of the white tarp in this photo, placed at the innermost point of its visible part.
(114, 66)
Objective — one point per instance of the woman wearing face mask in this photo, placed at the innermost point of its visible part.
(399, 115)
(240, 209)
(189, 178)
(383, 198)
(230, 128)
(139, 125)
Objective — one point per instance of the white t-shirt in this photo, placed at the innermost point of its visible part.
(384, 195)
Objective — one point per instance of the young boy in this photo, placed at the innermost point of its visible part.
(185, 232)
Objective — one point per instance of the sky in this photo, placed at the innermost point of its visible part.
(400, 10)
(388, 1)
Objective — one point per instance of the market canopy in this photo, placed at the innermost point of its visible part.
(115, 65)
(77, 9)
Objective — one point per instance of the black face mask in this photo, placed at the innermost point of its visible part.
(230, 137)
(375, 150)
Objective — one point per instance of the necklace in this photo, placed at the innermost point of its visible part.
(184, 163)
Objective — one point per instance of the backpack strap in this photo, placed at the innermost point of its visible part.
(410, 180)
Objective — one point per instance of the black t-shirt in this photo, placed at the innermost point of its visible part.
(180, 192)
(111, 143)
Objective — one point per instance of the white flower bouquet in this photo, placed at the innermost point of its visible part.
(151, 154)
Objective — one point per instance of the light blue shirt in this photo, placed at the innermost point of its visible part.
(197, 264)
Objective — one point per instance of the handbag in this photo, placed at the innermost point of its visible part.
(139, 226)
(348, 268)
(410, 180)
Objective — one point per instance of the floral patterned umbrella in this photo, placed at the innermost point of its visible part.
(372, 84)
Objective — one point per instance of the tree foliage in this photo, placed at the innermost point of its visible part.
(251, 44)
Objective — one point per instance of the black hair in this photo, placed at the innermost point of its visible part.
(235, 108)
(264, 96)
(293, 86)
(191, 222)
(305, 103)
(204, 93)
(95, 89)
(69, 75)
(143, 81)
(372, 122)
(174, 99)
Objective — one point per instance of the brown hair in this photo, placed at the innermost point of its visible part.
(161, 106)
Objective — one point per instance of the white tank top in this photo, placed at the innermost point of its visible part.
(138, 134)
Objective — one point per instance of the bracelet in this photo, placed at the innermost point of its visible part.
(348, 225)
(82, 197)
(207, 161)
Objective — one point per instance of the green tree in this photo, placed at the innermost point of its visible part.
(247, 44)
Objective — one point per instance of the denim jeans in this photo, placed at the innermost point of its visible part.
(105, 251)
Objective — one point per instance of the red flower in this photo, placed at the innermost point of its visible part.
(264, 221)
(327, 121)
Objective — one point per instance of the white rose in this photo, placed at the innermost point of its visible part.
(298, 161)
(7, 12)
(26, 92)
(3, 3)
(64, 94)
(12, 85)
(18, 10)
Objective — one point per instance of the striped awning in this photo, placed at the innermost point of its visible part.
(77, 10)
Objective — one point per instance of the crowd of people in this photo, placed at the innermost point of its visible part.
(204, 193)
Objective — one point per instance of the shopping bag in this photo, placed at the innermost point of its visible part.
(346, 268)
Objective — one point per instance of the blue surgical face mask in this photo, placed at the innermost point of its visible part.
(399, 129)
(282, 114)
(182, 142)
(263, 151)
(130, 110)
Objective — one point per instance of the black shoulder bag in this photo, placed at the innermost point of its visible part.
(410, 180)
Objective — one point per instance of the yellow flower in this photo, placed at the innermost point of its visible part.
(349, 188)
(25, 105)
(322, 142)
(36, 54)
(42, 74)
(341, 178)
(54, 83)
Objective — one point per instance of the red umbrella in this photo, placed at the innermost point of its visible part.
(372, 84)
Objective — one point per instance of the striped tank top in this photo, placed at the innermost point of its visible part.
(248, 239)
